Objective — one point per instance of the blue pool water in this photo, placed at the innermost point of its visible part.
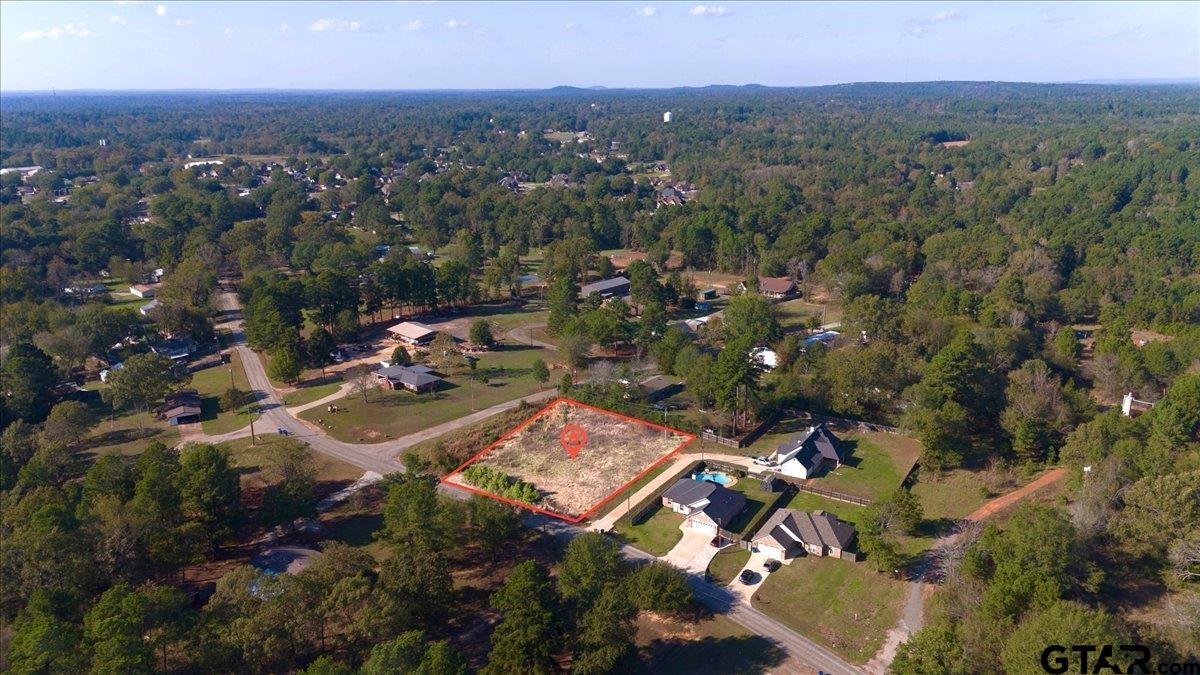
(717, 477)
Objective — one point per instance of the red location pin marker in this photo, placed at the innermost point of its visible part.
(573, 437)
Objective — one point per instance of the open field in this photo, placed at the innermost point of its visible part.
(617, 451)
(311, 393)
(876, 462)
(252, 460)
(844, 605)
(796, 312)
(127, 434)
(389, 414)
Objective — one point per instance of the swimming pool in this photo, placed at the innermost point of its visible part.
(718, 477)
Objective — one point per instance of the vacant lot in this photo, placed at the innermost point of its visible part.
(795, 312)
(617, 450)
(842, 604)
(211, 383)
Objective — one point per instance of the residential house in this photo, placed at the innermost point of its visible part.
(416, 379)
(1132, 407)
(176, 350)
(659, 387)
(790, 532)
(775, 287)
(144, 291)
(559, 180)
(608, 288)
(767, 359)
(805, 455)
(705, 506)
(669, 196)
(180, 407)
(413, 333)
(145, 309)
(825, 337)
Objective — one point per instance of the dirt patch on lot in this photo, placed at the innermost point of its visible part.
(618, 449)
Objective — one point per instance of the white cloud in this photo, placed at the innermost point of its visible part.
(77, 30)
(570, 26)
(117, 20)
(227, 31)
(946, 16)
(454, 24)
(184, 22)
(283, 28)
(323, 25)
(713, 11)
(647, 12)
(160, 10)
(128, 2)
(413, 25)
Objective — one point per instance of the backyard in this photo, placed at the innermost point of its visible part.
(390, 414)
(876, 462)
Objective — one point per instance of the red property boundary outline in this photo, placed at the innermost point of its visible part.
(688, 440)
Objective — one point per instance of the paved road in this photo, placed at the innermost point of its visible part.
(381, 458)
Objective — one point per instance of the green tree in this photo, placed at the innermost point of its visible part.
(541, 374)
(591, 563)
(481, 333)
(524, 640)
(416, 588)
(210, 490)
(605, 633)
(1062, 623)
(27, 380)
(114, 629)
(285, 364)
(68, 423)
(933, 650)
(493, 524)
(659, 587)
(146, 378)
(319, 347)
(401, 357)
(401, 654)
(293, 494)
(563, 300)
(413, 515)
(442, 659)
(45, 639)
(751, 317)
(899, 513)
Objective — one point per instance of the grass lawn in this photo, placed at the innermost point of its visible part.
(796, 312)
(953, 495)
(657, 534)
(619, 499)
(128, 434)
(713, 645)
(726, 564)
(876, 465)
(312, 393)
(758, 502)
(841, 604)
(211, 383)
(389, 414)
(253, 459)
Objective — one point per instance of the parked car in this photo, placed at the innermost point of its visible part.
(282, 432)
(771, 565)
(762, 461)
(747, 577)
(716, 542)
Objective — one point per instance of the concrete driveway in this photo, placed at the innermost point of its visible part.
(693, 552)
(742, 591)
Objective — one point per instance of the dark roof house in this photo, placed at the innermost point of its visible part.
(804, 455)
(705, 506)
(608, 288)
(180, 407)
(659, 387)
(789, 530)
(413, 378)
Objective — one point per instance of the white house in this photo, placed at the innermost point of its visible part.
(805, 455)
(143, 291)
(667, 117)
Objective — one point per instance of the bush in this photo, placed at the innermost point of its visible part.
(496, 482)
(233, 398)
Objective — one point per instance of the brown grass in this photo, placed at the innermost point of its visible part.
(617, 450)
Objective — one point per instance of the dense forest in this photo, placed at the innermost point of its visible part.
(1009, 261)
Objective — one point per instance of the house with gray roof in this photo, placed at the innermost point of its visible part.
(417, 379)
(805, 455)
(790, 532)
(706, 507)
(608, 288)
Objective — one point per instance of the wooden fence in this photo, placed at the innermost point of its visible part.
(744, 440)
(865, 426)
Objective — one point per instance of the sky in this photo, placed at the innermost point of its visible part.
(452, 45)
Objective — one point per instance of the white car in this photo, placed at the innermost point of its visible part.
(762, 461)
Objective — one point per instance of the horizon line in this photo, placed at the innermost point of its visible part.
(1159, 81)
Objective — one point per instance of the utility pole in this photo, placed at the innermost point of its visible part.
(231, 384)
(253, 438)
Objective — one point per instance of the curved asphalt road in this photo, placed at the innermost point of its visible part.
(381, 457)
